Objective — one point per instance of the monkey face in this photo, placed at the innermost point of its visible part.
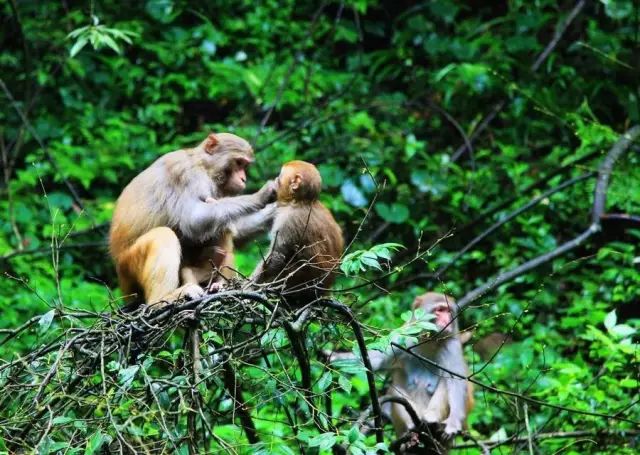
(283, 185)
(442, 307)
(236, 174)
(226, 158)
(443, 319)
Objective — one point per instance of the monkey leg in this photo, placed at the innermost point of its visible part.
(399, 416)
(226, 257)
(153, 264)
(438, 408)
(208, 264)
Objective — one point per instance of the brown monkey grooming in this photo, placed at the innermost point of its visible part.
(165, 238)
(436, 396)
(306, 241)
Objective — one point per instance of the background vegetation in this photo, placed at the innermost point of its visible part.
(429, 121)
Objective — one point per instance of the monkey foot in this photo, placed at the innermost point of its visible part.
(214, 287)
(188, 291)
(452, 427)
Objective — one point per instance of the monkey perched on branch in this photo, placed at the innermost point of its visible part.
(436, 396)
(167, 237)
(306, 241)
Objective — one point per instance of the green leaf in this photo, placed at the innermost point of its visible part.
(111, 43)
(393, 213)
(610, 320)
(78, 45)
(371, 260)
(323, 441)
(629, 383)
(622, 331)
(45, 321)
(127, 375)
(62, 420)
(344, 383)
(95, 442)
(324, 381)
(354, 434)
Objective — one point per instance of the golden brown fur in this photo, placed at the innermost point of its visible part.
(306, 241)
(162, 223)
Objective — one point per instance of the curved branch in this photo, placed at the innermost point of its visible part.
(407, 406)
(302, 356)
(533, 202)
(357, 331)
(512, 394)
(235, 390)
(604, 174)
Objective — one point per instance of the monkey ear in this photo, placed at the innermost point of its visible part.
(210, 143)
(466, 336)
(295, 182)
(417, 302)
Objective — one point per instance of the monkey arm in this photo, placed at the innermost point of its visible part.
(450, 357)
(249, 226)
(270, 268)
(200, 219)
(379, 360)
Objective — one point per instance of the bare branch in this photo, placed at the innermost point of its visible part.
(604, 173)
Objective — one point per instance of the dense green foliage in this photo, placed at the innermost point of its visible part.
(379, 95)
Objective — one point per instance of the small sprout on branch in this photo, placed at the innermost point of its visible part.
(363, 260)
(99, 36)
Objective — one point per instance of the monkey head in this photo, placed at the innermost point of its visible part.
(298, 181)
(442, 307)
(227, 157)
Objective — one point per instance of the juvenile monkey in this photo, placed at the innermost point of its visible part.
(165, 237)
(306, 241)
(436, 396)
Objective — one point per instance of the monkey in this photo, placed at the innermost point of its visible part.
(213, 260)
(217, 260)
(489, 345)
(306, 242)
(435, 395)
(164, 235)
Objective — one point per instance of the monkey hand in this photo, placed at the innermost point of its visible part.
(219, 255)
(214, 287)
(452, 427)
(267, 193)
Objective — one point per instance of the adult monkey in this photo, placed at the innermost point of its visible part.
(436, 396)
(166, 237)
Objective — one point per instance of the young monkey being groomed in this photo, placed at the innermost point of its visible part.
(306, 242)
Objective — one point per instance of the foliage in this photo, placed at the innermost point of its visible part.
(363, 260)
(380, 95)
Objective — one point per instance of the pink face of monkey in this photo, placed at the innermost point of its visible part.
(228, 156)
(443, 319)
(441, 306)
(237, 175)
